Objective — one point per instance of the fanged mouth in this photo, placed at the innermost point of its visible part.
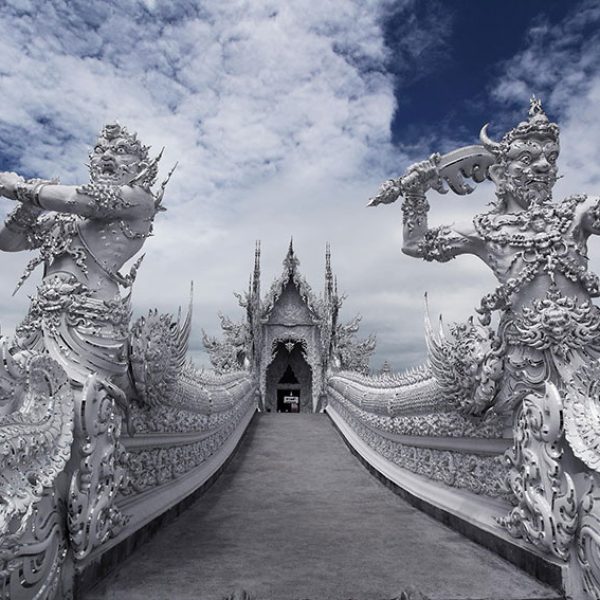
(109, 172)
(105, 172)
(540, 181)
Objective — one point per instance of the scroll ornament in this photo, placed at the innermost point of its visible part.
(587, 556)
(36, 432)
(93, 517)
(545, 514)
(582, 414)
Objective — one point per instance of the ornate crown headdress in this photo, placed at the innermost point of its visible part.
(538, 123)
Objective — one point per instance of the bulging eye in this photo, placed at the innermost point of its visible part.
(552, 157)
(98, 149)
(525, 158)
(120, 149)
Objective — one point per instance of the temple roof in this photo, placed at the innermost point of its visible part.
(291, 275)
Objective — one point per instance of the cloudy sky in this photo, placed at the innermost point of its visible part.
(285, 117)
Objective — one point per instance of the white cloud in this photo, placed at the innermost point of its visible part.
(279, 116)
(273, 111)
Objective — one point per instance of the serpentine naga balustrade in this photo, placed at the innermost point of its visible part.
(103, 426)
(83, 468)
(517, 489)
(500, 434)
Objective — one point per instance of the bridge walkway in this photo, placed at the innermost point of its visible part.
(296, 516)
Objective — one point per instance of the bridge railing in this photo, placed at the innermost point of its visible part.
(406, 420)
(453, 466)
(176, 449)
(86, 473)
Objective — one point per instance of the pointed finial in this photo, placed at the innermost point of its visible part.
(290, 262)
(535, 106)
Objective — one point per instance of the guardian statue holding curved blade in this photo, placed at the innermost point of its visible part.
(535, 247)
(539, 366)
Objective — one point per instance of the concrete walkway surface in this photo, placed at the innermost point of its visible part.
(296, 516)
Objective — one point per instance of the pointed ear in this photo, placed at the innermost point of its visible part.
(497, 172)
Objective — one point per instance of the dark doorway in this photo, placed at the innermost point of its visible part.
(289, 382)
(288, 392)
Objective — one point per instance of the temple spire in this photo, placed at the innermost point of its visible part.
(328, 274)
(256, 274)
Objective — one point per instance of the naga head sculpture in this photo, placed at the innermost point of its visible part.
(526, 170)
(118, 157)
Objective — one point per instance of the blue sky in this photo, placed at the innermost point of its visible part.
(446, 87)
(285, 117)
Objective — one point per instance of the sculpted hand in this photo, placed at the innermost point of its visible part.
(422, 176)
(418, 178)
(8, 184)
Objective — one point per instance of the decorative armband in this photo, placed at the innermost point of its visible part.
(438, 244)
(28, 192)
(414, 210)
(24, 220)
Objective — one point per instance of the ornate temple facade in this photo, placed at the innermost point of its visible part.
(290, 338)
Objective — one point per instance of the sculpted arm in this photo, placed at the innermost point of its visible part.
(91, 200)
(21, 226)
(419, 240)
(441, 243)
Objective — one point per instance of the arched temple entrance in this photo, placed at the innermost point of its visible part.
(288, 380)
(290, 327)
